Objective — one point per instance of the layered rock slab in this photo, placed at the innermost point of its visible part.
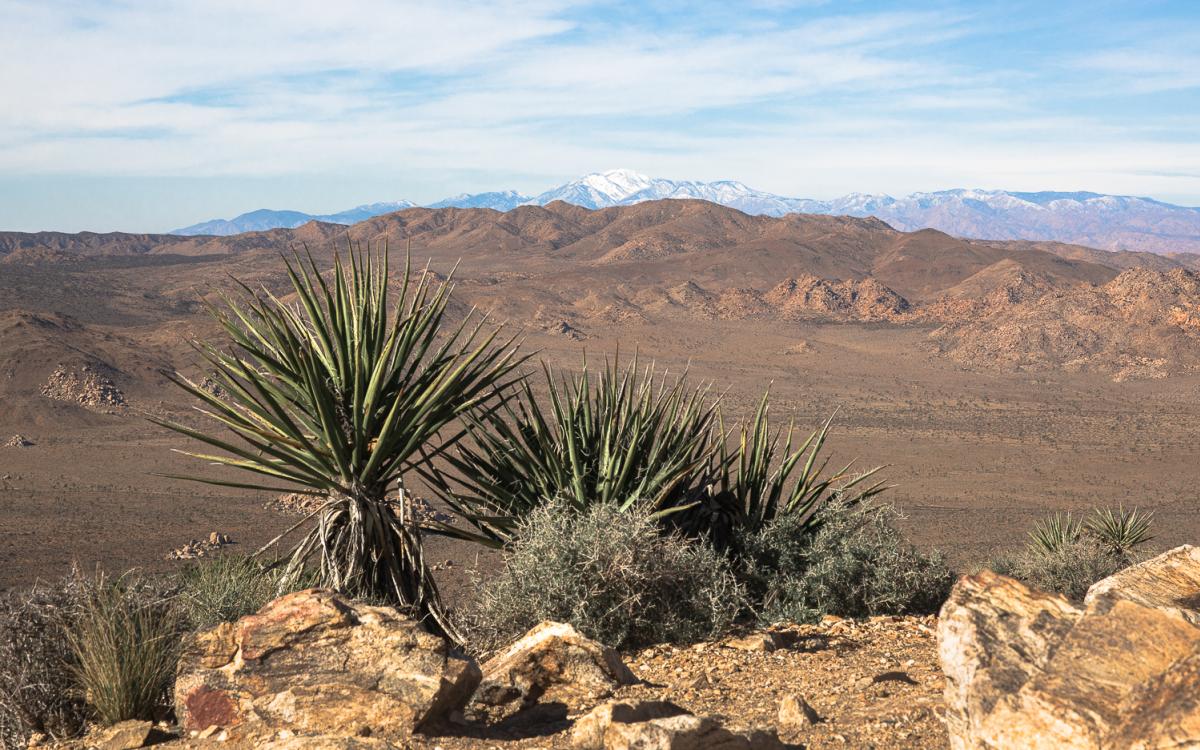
(1029, 669)
(552, 663)
(314, 663)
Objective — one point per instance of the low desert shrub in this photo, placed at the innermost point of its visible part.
(612, 574)
(1067, 555)
(856, 563)
(36, 664)
(1068, 569)
(125, 644)
(227, 587)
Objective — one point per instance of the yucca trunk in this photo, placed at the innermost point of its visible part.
(369, 546)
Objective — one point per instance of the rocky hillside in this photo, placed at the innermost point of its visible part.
(1141, 324)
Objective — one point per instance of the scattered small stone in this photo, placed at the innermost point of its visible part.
(763, 642)
(125, 735)
(18, 441)
(200, 547)
(795, 713)
(303, 503)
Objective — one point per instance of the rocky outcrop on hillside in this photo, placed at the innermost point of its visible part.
(804, 297)
(89, 385)
(864, 299)
(1032, 670)
(1142, 324)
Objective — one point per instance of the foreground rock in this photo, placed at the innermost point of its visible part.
(1029, 669)
(553, 663)
(658, 725)
(1170, 581)
(313, 663)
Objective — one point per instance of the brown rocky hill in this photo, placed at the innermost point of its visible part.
(1142, 324)
(126, 304)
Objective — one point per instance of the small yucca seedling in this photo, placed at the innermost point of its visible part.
(1051, 535)
(1120, 530)
(340, 394)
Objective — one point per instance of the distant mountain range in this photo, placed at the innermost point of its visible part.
(1109, 222)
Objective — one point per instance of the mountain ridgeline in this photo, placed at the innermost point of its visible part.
(568, 271)
(1109, 222)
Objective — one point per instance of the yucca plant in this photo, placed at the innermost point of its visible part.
(1121, 530)
(1055, 533)
(763, 477)
(624, 437)
(340, 394)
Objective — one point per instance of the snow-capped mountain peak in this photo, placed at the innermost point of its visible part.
(1109, 221)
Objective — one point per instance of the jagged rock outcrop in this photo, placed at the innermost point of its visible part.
(1142, 324)
(866, 299)
(313, 663)
(553, 663)
(1031, 670)
(90, 386)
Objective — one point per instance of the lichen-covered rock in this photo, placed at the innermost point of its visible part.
(313, 663)
(1076, 700)
(1163, 712)
(1169, 581)
(994, 633)
(1027, 669)
(553, 663)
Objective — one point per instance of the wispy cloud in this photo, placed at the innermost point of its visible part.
(807, 98)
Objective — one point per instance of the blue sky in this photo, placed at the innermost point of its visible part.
(145, 116)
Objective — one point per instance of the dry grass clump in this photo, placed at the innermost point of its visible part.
(226, 587)
(612, 574)
(125, 641)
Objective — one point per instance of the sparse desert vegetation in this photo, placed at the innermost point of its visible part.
(662, 510)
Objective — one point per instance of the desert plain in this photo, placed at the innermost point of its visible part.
(996, 382)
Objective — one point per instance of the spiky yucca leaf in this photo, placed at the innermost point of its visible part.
(763, 477)
(340, 394)
(1055, 533)
(1120, 530)
(629, 437)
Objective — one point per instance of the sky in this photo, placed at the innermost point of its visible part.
(145, 116)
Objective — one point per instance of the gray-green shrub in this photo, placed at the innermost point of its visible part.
(1067, 555)
(857, 563)
(36, 677)
(1069, 569)
(612, 574)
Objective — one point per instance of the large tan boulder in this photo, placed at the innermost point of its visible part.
(994, 633)
(552, 663)
(658, 725)
(1028, 669)
(314, 663)
(1170, 581)
(1163, 712)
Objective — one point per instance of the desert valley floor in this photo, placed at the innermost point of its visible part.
(975, 452)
